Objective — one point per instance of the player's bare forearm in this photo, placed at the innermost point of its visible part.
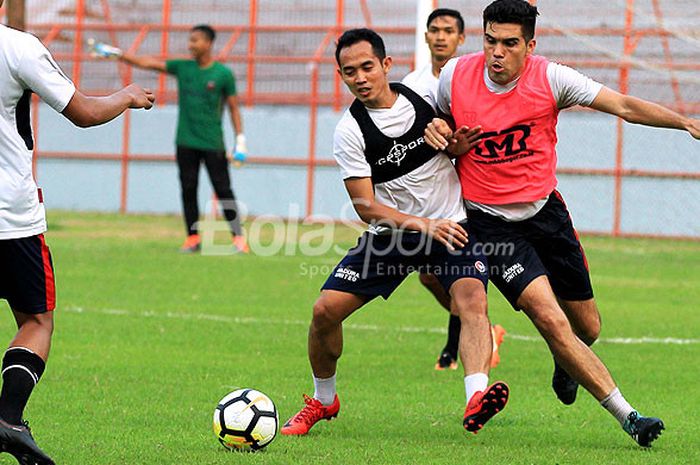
(361, 191)
(236, 120)
(650, 114)
(639, 111)
(144, 62)
(372, 212)
(86, 111)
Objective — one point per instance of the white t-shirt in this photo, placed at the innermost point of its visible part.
(569, 88)
(430, 191)
(25, 65)
(423, 78)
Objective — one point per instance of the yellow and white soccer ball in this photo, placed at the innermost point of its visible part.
(246, 420)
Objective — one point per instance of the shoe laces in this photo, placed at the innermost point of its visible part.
(475, 402)
(311, 413)
(25, 423)
(631, 423)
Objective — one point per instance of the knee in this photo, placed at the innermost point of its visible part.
(189, 192)
(40, 322)
(323, 316)
(552, 323)
(470, 301)
(590, 333)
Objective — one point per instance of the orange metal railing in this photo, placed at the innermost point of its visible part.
(326, 89)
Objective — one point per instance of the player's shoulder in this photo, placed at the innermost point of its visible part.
(222, 68)
(411, 77)
(18, 40)
(346, 124)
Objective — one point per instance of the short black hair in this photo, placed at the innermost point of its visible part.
(353, 36)
(446, 12)
(513, 12)
(205, 29)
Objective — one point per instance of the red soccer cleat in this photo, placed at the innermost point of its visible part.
(485, 404)
(240, 244)
(497, 333)
(192, 244)
(312, 413)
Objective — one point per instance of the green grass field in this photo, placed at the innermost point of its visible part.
(148, 340)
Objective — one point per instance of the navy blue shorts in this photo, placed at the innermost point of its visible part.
(26, 275)
(545, 245)
(379, 263)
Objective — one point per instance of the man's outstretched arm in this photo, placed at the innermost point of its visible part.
(638, 111)
(144, 62)
(85, 111)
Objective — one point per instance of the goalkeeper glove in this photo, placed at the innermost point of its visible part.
(241, 151)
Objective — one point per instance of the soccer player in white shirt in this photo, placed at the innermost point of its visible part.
(444, 35)
(409, 195)
(26, 270)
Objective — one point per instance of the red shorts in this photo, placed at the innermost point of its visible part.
(26, 275)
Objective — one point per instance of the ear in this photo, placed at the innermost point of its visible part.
(425, 36)
(461, 39)
(531, 46)
(386, 64)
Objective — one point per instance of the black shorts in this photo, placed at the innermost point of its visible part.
(380, 262)
(545, 245)
(26, 275)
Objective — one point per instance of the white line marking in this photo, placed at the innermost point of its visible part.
(353, 326)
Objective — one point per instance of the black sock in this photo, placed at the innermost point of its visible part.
(21, 370)
(453, 330)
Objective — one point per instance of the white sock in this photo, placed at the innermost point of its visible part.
(617, 405)
(474, 383)
(324, 389)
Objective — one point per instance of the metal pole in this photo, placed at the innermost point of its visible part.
(619, 149)
(422, 54)
(250, 78)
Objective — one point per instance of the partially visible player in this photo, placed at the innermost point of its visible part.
(409, 195)
(204, 87)
(445, 33)
(26, 269)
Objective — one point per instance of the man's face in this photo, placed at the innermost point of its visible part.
(443, 37)
(364, 73)
(199, 44)
(505, 49)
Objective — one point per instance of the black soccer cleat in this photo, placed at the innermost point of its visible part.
(18, 441)
(644, 430)
(446, 360)
(564, 386)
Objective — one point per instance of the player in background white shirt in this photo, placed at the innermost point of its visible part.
(26, 270)
(444, 35)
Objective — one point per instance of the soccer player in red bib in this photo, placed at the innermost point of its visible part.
(445, 33)
(508, 182)
(26, 269)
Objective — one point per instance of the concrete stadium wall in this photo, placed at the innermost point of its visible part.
(586, 140)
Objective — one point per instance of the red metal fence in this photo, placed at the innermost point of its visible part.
(282, 53)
